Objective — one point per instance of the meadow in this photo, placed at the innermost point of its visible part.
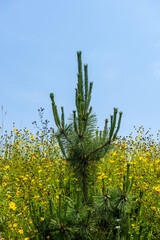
(39, 191)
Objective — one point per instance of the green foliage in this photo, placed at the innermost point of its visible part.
(81, 143)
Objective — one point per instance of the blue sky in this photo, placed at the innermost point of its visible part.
(119, 40)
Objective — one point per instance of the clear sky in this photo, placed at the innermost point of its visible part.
(119, 40)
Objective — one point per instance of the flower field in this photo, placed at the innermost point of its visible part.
(32, 170)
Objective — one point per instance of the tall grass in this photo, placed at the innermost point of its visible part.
(32, 171)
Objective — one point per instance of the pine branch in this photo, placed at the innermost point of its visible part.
(86, 85)
(61, 146)
(105, 129)
(62, 117)
(107, 143)
(113, 123)
(56, 117)
(75, 123)
(119, 122)
(80, 81)
(89, 95)
(63, 132)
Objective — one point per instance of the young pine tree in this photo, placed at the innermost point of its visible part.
(81, 143)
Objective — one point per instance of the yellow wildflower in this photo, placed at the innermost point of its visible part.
(32, 137)
(7, 167)
(12, 205)
(20, 231)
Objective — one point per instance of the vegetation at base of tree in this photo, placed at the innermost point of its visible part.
(34, 175)
(107, 216)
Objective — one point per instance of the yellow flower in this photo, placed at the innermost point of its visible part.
(157, 188)
(7, 167)
(12, 205)
(14, 129)
(44, 193)
(26, 238)
(32, 137)
(6, 177)
(9, 196)
(20, 231)
(37, 196)
(4, 184)
(112, 161)
(42, 219)
(15, 225)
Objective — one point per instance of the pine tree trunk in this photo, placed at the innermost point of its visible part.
(84, 182)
